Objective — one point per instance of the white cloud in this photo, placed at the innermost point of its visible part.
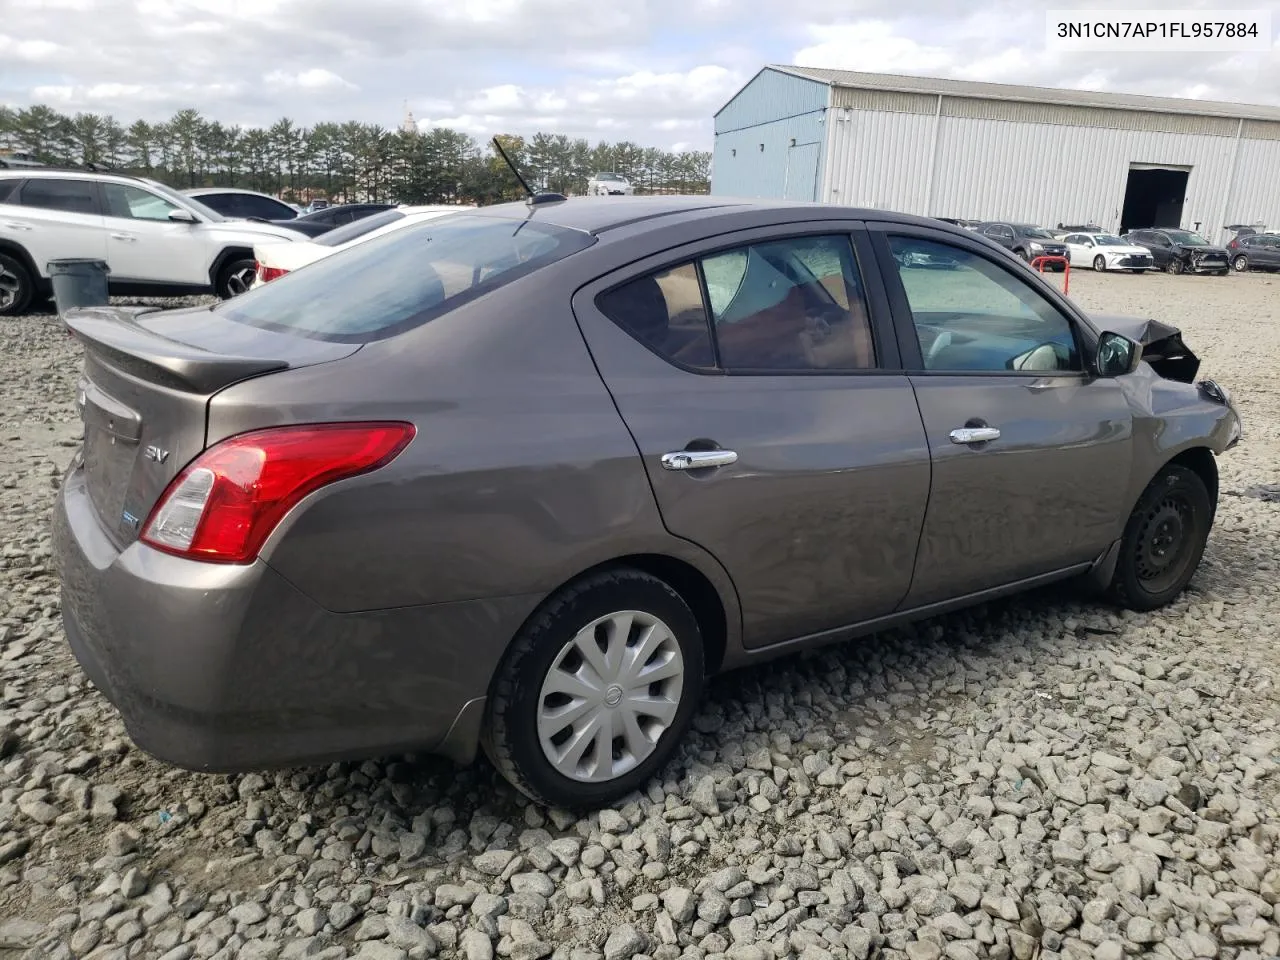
(316, 78)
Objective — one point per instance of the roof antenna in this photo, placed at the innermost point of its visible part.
(533, 197)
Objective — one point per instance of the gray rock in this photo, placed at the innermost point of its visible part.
(476, 946)
(493, 862)
(624, 942)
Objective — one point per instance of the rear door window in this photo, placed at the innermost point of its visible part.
(392, 283)
(8, 187)
(68, 196)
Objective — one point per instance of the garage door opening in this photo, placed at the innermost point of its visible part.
(1153, 197)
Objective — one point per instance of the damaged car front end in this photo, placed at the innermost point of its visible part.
(1173, 394)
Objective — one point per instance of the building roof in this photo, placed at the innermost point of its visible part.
(935, 86)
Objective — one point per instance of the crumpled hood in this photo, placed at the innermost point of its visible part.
(1162, 344)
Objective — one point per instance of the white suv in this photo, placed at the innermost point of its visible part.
(609, 184)
(155, 241)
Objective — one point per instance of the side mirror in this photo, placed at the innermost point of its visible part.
(183, 216)
(1116, 355)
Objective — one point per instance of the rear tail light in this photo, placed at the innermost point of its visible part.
(267, 274)
(225, 504)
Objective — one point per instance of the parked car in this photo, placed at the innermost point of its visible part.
(155, 241)
(1257, 251)
(12, 161)
(322, 221)
(967, 224)
(315, 205)
(273, 260)
(482, 480)
(1064, 228)
(1104, 251)
(1180, 251)
(1024, 240)
(609, 185)
(236, 204)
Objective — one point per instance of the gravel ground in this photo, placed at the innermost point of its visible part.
(1035, 778)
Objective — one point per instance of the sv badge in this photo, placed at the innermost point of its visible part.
(155, 453)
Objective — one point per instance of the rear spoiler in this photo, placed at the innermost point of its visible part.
(113, 334)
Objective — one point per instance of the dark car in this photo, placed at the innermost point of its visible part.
(525, 476)
(327, 218)
(244, 204)
(1025, 240)
(1257, 251)
(1180, 251)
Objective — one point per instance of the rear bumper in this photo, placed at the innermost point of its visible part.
(226, 668)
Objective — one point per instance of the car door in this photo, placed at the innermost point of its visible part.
(145, 246)
(1001, 234)
(1031, 454)
(759, 378)
(1079, 249)
(55, 218)
(1265, 252)
(1159, 245)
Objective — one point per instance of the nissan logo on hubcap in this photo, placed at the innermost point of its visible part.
(613, 696)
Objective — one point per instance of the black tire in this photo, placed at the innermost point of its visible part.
(1099, 263)
(1026, 257)
(1176, 503)
(510, 735)
(1241, 263)
(1174, 266)
(234, 277)
(17, 286)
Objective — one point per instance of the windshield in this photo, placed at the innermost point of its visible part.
(1107, 240)
(182, 200)
(404, 278)
(1038, 232)
(357, 228)
(608, 176)
(1187, 238)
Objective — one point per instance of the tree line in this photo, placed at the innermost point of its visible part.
(341, 161)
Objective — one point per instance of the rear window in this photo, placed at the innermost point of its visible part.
(395, 282)
(358, 228)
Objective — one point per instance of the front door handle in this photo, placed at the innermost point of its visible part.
(966, 435)
(698, 459)
(127, 237)
(15, 226)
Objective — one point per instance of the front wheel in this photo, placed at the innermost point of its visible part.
(596, 691)
(1099, 263)
(1163, 540)
(1173, 266)
(1241, 263)
(236, 277)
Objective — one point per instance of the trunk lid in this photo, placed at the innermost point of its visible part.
(145, 390)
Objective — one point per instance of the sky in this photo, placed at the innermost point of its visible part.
(650, 71)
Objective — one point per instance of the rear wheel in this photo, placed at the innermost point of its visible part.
(596, 691)
(1163, 540)
(235, 277)
(16, 286)
(1174, 266)
(1099, 263)
(1241, 263)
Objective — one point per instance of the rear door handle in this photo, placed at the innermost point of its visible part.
(15, 226)
(127, 237)
(966, 435)
(698, 459)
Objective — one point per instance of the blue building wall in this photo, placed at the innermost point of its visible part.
(769, 139)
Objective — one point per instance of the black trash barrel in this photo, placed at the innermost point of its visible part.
(78, 283)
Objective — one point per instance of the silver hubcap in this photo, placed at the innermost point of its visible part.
(9, 288)
(238, 282)
(610, 694)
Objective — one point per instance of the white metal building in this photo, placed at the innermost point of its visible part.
(948, 148)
